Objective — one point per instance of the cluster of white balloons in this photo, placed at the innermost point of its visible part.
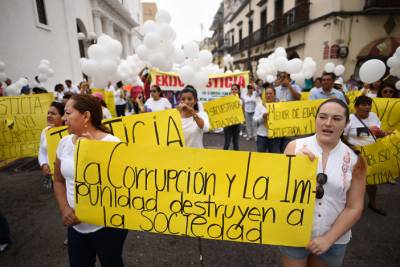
(372, 70)
(299, 70)
(3, 75)
(15, 88)
(158, 49)
(331, 68)
(394, 63)
(103, 61)
(129, 69)
(195, 69)
(45, 72)
(228, 60)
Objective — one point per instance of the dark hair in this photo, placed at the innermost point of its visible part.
(318, 79)
(68, 81)
(235, 85)
(330, 74)
(270, 87)
(59, 106)
(119, 84)
(362, 99)
(86, 102)
(68, 95)
(396, 92)
(158, 88)
(35, 90)
(249, 86)
(192, 90)
(59, 87)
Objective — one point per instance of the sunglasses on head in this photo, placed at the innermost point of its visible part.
(322, 178)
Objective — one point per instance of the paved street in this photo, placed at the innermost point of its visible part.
(38, 233)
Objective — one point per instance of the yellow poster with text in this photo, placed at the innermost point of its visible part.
(213, 194)
(388, 111)
(108, 99)
(224, 111)
(22, 120)
(292, 118)
(53, 137)
(383, 159)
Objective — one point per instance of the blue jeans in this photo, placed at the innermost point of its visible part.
(333, 257)
(270, 145)
(106, 243)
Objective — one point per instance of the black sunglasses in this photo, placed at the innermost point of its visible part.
(153, 91)
(322, 178)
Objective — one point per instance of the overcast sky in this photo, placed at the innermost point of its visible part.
(188, 15)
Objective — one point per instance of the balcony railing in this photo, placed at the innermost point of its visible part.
(291, 19)
(381, 4)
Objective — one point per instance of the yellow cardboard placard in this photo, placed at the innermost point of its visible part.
(304, 95)
(186, 191)
(388, 111)
(53, 137)
(108, 99)
(22, 120)
(292, 118)
(224, 111)
(383, 159)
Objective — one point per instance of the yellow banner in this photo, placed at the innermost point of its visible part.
(292, 118)
(224, 111)
(352, 95)
(383, 159)
(388, 111)
(22, 120)
(53, 136)
(305, 95)
(108, 99)
(186, 191)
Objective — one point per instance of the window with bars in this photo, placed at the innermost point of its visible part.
(41, 11)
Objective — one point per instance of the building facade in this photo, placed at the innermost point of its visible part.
(339, 31)
(48, 29)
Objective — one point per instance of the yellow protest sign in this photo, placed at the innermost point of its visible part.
(388, 111)
(304, 95)
(383, 159)
(116, 127)
(292, 118)
(224, 111)
(22, 120)
(352, 95)
(108, 99)
(190, 193)
(53, 136)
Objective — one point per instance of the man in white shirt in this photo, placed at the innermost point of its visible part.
(287, 90)
(69, 88)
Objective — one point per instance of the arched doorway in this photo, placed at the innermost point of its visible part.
(80, 27)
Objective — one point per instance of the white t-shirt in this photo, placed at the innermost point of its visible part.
(106, 113)
(192, 133)
(65, 153)
(250, 102)
(73, 89)
(161, 104)
(42, 155)
(118, 97)
(59, 96)
(259, 120)
(357, 133)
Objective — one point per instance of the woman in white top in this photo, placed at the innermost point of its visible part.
(54, 119)
(265, 144)
(339, 193)
(119, 99)
(59, 92)
(363, 129)
(156, 102)
(250, 102)
(83, 117)
(194, 122)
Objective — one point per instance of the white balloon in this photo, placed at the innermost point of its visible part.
(179, 56)
(191, 49)
(100, 82)
(2, 66)
(398, 51)
(50, 72)
(42, 78)
(205, 58)
(43, 69)
(166, 32)
(294, 65)
(90, 67)
(3, 76)
(372, 70)
(397, 85)
(329, 67)
(167, 48)
(271, 78)
(108, 67)
(280, 52)
(149, 26)
(228, 72)
(186, 74)
(24, 81)
(308, 74)
(261, 74)
(393, 62)
(152, 40)
(200, 79)
(163, 16)
(395, 71)
(44, 62)
(103, 39)
(339, 70)
(166, 65)
(19, 84)
(281, 63)
(299, 78)
(97, 52)
(142, 52)
(114, 48)
(12, 90)
(156, 59)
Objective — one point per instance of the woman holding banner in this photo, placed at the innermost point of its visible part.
(54, 119)
(339, 192)
(364, 129)
(83, 117)
(232, 132)
(265, 144)
(194, 122)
